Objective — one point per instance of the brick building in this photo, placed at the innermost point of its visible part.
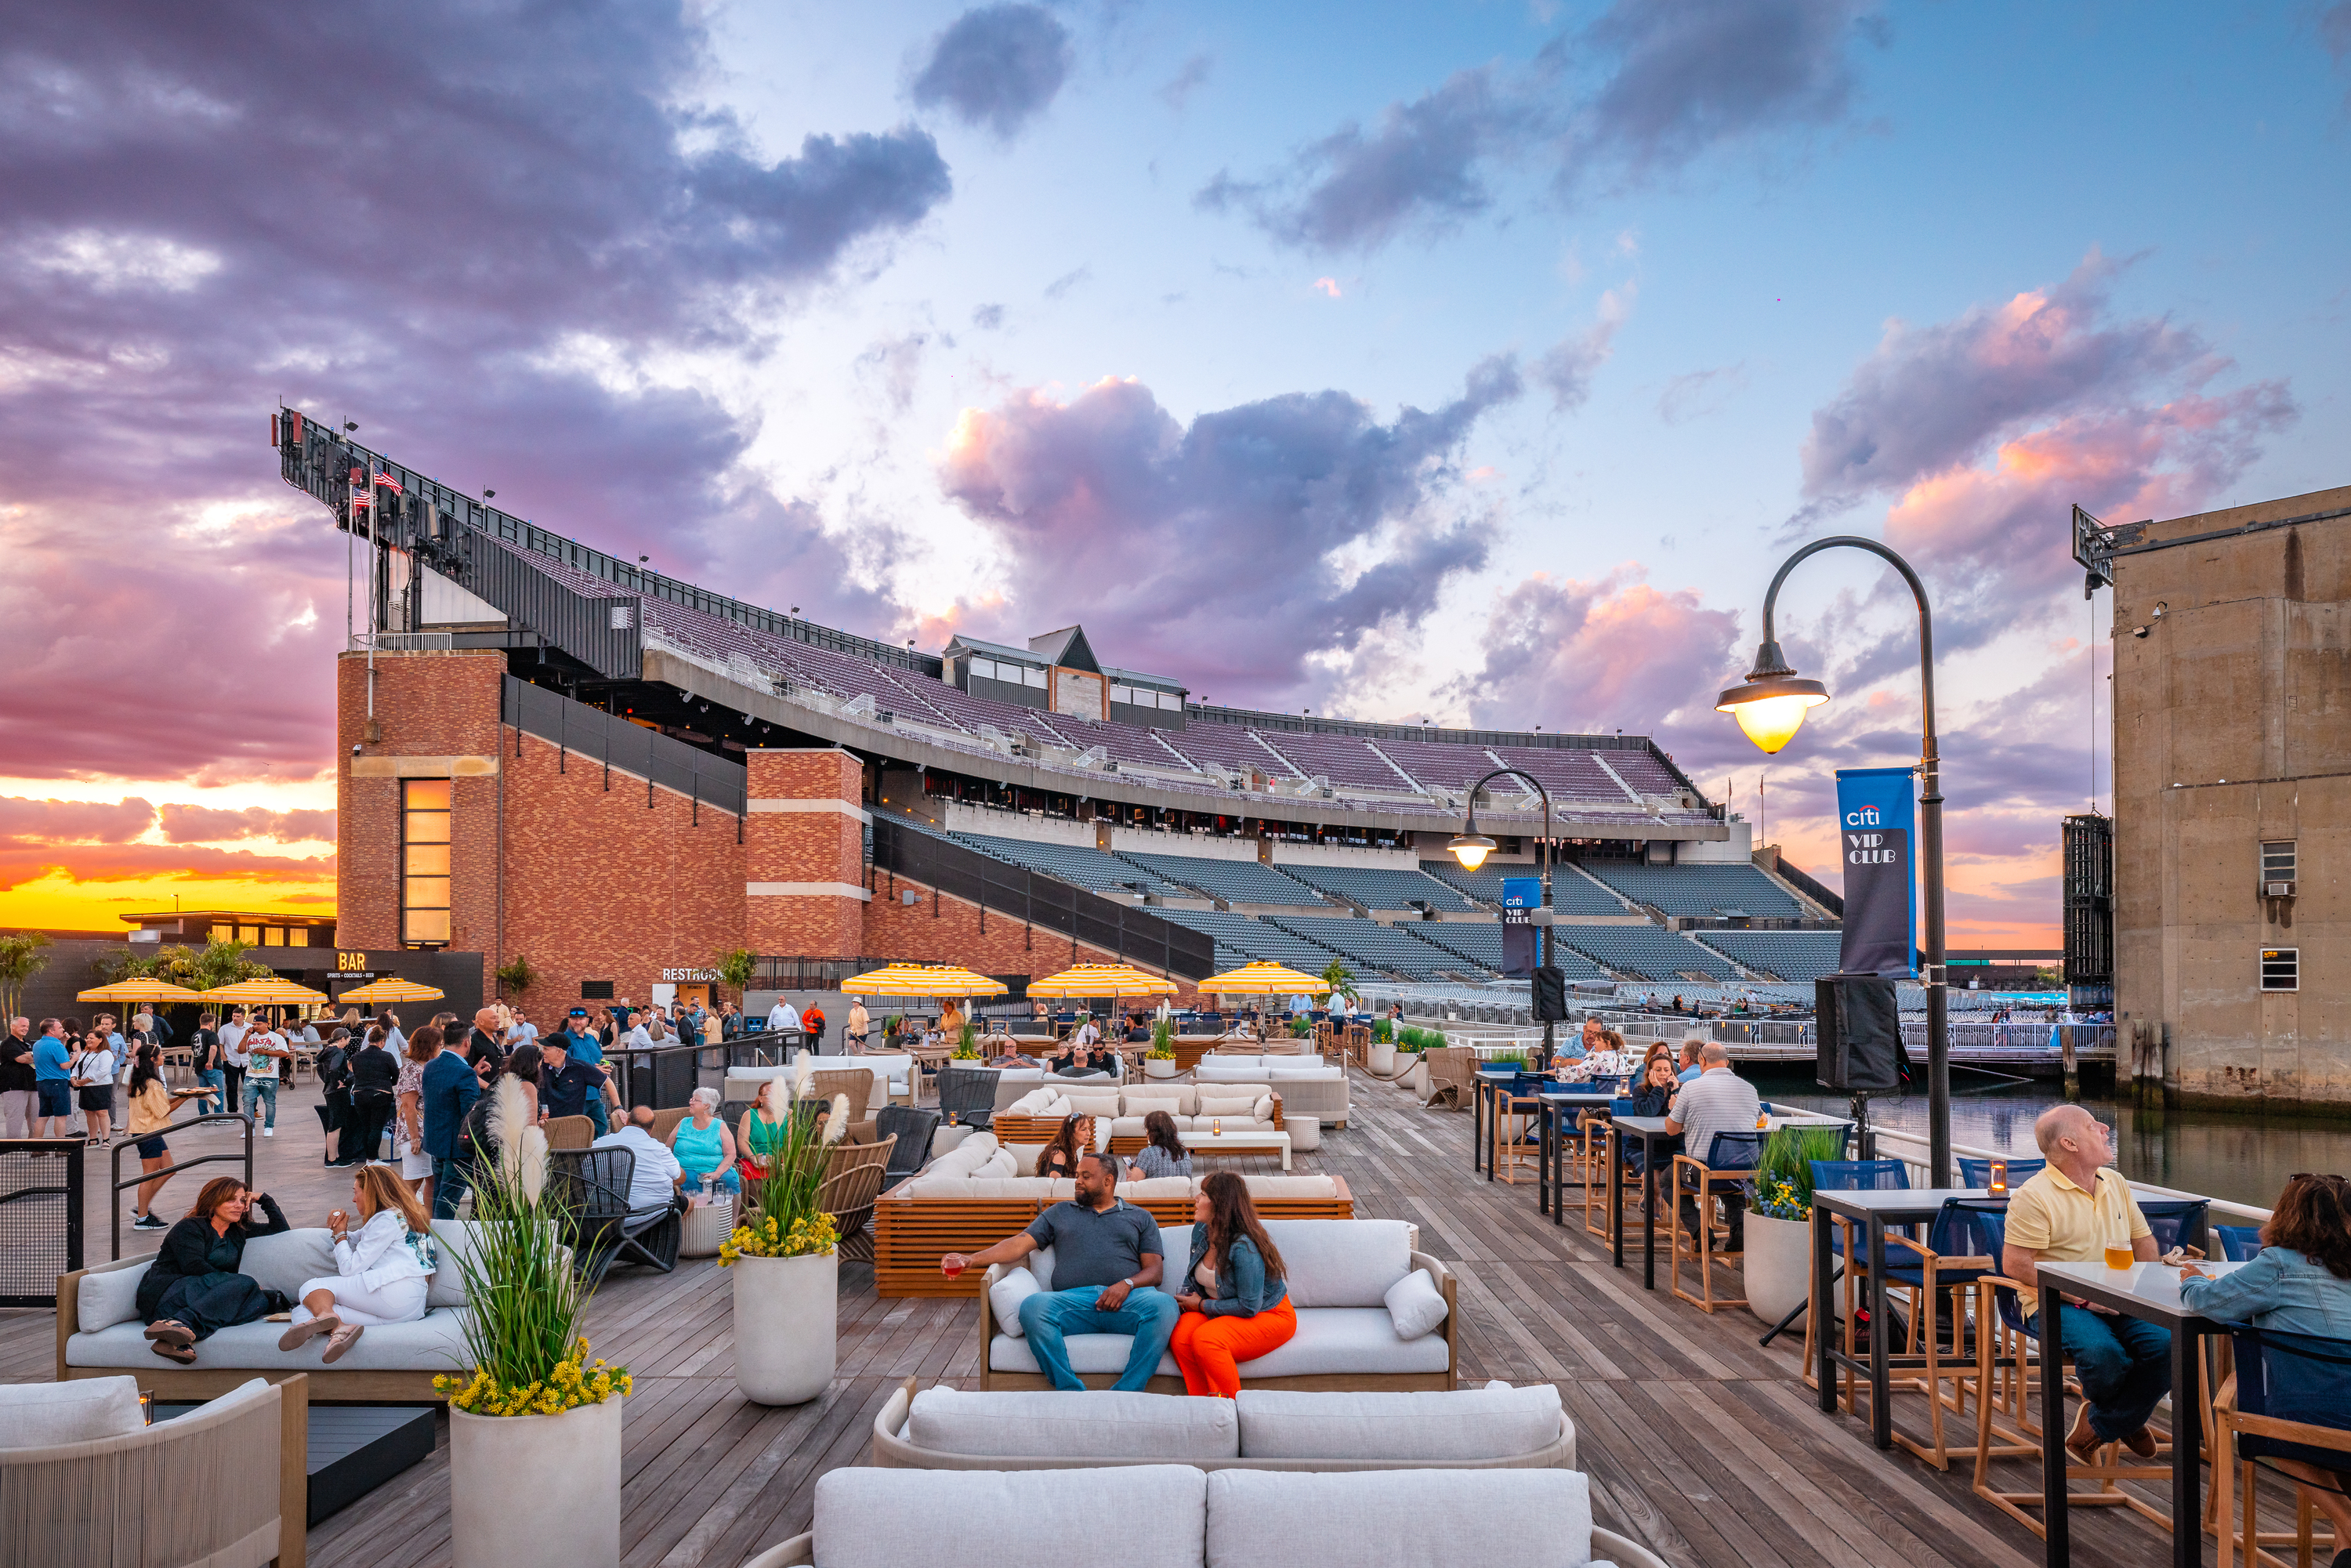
(482, 814)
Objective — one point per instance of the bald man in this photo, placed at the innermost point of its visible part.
(2068, 1213)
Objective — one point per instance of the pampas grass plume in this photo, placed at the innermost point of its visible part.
(836, 1126)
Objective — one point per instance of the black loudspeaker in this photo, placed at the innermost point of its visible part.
(1551, 996)
(1860, 1030)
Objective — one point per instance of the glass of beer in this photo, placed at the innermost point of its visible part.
(2118, 1253)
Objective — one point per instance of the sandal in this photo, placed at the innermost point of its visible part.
(185, 1354)
(345, 1336)
(168, 1331)
(300, 1334)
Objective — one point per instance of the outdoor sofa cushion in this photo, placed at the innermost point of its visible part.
(1414, 1305)
(873, 1518)
(1528, 1518)
(1495, 1422)
(1051, 1424)
(436, 1342)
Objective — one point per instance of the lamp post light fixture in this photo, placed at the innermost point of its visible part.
(1770, 705)
(1469, 848)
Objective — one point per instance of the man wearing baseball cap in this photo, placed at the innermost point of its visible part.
(579, 1042)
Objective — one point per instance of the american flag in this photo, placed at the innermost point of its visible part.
(360, 500)
(389, 483)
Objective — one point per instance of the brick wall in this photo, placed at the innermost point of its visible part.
(796, 839)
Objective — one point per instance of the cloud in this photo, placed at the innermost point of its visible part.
(1568, 366)
(999, 66)
(1188, 80)
(1644, 92)
(213, 824)
(98, 841)
(1698, 394)
(1609, 653)
(469, 247)
(987, 318)
(75, 822)
(1060, 287)
(1234, 549)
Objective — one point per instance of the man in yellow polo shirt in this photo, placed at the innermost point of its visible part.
(2070, 1210)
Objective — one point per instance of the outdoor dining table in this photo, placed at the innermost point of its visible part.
(1484, 1088)
(1654, 1137)
(1872, 1209)
(2149, 1293)
(1551, 1169)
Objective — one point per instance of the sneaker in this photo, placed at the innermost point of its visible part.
(268, 1132)
(345, 1336)
(148, 1222)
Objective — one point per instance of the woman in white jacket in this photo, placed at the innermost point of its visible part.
(382, 1272)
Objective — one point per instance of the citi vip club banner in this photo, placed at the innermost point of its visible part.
(1876, 833)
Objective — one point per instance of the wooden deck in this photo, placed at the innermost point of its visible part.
(1698, 1443)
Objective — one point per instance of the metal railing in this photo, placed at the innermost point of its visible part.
(1911, 1150)
(114, 1194)
(601, 739)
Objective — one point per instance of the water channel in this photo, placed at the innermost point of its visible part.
(2230, 1154)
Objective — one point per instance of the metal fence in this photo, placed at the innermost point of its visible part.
(1134, 935)
(601, 739)
(40, 1217)
(119, 1182)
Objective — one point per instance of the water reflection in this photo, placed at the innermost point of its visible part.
(2241, 1158)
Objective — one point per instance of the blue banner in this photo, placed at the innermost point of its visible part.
(1877, 838)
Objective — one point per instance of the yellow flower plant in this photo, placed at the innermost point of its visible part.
(575, 1381)
(810, 1236)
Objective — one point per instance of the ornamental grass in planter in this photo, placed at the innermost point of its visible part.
(785, 1258)
(1778, 1261)
(535, 1425)
(1160, 1060)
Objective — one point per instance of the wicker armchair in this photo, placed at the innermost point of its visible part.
(594, 1187)
(913, 1130)
(1452, 1074)
(572, 1133)
(857, 1082)
(853, 1180)
(967, 1096)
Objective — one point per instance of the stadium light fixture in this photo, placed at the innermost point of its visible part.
(1770, 706)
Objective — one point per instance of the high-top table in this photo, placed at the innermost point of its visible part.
(2149, 1293)
(1872, 1210)
(1550, 1179)
(1654, 1137)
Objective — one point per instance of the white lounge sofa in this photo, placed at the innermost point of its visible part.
(1238, 1107)
(1308, 1086)
(84, 1478)
(100, 1333)
(1493, 1427)
(1177, 1516)
(1372, 1314)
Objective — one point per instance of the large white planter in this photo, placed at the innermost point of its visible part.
(1778, 1265)
(1416, 1082)
(786, 1315)
(536, 1488)
(1382, 1059)
(1160, 1067)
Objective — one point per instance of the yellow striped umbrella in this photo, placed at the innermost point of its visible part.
(140, 990)
(392, 989)
(272, 992)
(1103, 981)
(921, 980)
(1265, 980)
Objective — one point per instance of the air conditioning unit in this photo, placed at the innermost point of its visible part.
(2277, 890)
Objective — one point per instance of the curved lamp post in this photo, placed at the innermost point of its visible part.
(1770, 706)
(1470, 848)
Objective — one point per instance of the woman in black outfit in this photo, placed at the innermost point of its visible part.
(1072, 1138)
(192, 1289)
(375, 1078)
(335, 1080)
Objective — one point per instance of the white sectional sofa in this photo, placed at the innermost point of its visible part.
(893, 1077)
(100, 1333)
(1493, 1427)
(1239, 1107)
(1178, 1516)
(1372, 1314)
(1308, 1086)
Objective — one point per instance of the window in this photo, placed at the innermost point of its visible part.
(984, 669)
(273, 936)
(249, 934)
(424, 862)
(1172, 701)
(1119, 693)
(595, 991)
(1030, 674)
(2277, 868)
(2280, 968)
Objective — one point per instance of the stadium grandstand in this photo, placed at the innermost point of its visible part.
(1777, 955)
(1045, 761)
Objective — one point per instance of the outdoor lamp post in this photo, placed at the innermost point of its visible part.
(1770, 705)
(1470, 848)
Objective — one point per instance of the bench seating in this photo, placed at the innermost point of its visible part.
(1035, 1116)
(100, 1333)
(1177, 1516)
(1341, 1275)
(1493, 1427)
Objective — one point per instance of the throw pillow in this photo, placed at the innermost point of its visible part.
(1001, 1164)
(1232, 1107)
(1005, 1296)
(45, 1415)
(106, 1298)
(1415, 1305)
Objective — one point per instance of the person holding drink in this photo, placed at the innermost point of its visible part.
(381, 1273)
(2075, 1210)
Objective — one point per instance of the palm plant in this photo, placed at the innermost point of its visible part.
(20, 959)
(516, 975)
(1163, 1040)
(1340, 979)
(736, 969)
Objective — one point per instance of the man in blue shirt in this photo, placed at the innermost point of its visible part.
(52, 1082)
(1690, 1068)
(450, 1090)
(579, 1044)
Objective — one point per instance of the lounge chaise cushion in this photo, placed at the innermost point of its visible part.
(1055, 1425)
(1330, 1341)
(873, 1518)
(1497, 1422)
(1527, 1519)
(436, 1342)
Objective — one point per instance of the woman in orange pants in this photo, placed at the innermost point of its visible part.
(1235, 1304)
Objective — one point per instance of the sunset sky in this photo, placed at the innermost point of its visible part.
(1476, 363)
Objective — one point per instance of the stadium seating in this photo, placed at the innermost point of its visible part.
(1379, 887)
(1079, 864)
(1229, 746)
(1481, 942)
(1254, 939)
(1570, 776)
(1235, 882)
(1369, 945)
(1644, 950)
(1698, 889)
(1341, 758)
(1570, 892)
(1790, 954)
(1449, 768)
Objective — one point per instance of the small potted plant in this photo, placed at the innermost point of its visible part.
(1160, 1063)
(786, 1267)
(535, 1426)
(1777, 1264)
(967, 1047)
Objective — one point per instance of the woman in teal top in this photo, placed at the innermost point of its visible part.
(705, 1148)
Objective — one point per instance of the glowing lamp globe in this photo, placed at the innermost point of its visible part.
(1471, 848)
(1772, 709)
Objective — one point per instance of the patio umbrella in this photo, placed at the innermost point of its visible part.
(272, 992)
(1103, 981)
(140, 990)
(391, 989)
(1264, 979)
(921, 980)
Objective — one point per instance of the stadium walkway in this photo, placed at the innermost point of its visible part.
(1698, 1443)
